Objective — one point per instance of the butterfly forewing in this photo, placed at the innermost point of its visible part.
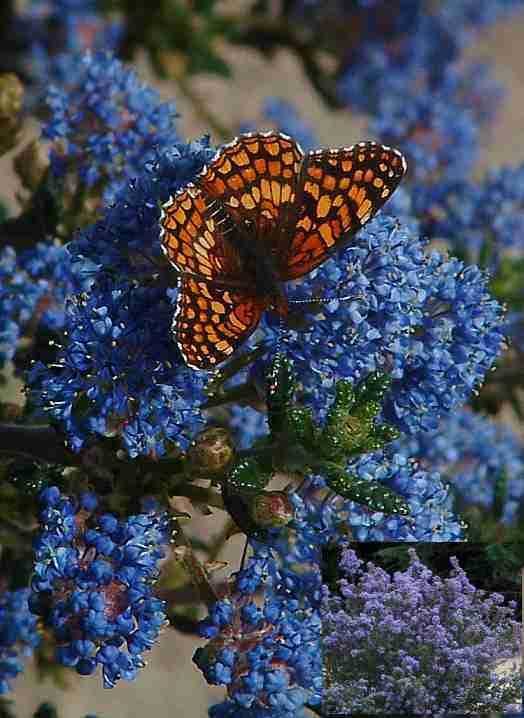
(255, 178)
(340, 190)
(194, 237)
(211, 321)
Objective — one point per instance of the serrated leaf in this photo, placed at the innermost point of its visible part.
(371, 494)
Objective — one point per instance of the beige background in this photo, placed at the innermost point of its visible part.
(171, 686)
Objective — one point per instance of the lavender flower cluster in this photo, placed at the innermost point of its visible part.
(426, 320)
(415, 643)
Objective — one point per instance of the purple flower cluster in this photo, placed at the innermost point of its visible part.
(93, 579)
(473, 453)
(415, 643)
(18, 635)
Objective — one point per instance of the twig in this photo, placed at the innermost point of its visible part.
(37, 442)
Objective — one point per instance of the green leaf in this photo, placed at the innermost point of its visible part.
(372, 494)
(280, 391)
(247, 477)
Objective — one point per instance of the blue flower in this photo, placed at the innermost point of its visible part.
(33, 287)
(476, 216)
(431, 517)
(18, 635)
(93, 580)
(247, 425)
(473, 453)
(58, 30)
(271, 661)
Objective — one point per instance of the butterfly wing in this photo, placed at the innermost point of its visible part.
(212, 321)
(340, 190)
(255, 178)
(194, 236)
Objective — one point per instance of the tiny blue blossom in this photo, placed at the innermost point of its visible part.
(271, 662)
(105, 124)
(119, 370)
(33, 287)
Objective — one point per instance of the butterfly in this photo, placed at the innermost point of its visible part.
(260, 214)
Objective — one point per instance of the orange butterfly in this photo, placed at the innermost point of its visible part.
(261, 214)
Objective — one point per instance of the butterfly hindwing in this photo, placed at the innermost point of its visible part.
(212, 321)
(340, 190)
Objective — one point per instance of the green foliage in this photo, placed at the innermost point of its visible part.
(300, 445)
(179, 37)
(507, 285)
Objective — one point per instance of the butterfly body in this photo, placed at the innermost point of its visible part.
(259, 215)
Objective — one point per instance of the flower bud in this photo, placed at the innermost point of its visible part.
(271, 509)
(212, 452)
(11, 98)
(30, 165)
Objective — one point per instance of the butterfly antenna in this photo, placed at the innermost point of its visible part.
(326, 300)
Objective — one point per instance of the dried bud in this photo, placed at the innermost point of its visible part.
(11, 98)
(272, 509)
(30, 165)
(212, 452)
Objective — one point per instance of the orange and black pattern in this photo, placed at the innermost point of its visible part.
(260, 191)
(194, 237)
(340, 191)
(255, 178)
(211, 321)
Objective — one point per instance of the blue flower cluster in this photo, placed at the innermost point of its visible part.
(473, 453)
(430, 501)
(18, 634)
(105, 124)
(33, 287)
(119, 371)
(268, 656)
(93, 578)
(425, 320)
(477, 217)
(77, 26)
